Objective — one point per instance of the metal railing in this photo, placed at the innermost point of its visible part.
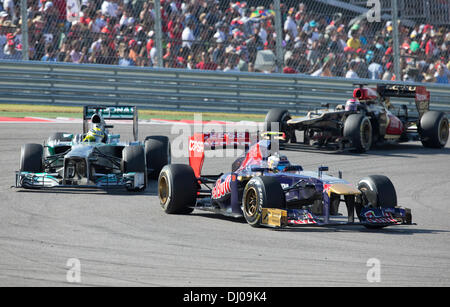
(180, 89)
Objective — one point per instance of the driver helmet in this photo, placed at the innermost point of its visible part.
(351, 105)
(95, 134)
(97, 131)
(278, 163)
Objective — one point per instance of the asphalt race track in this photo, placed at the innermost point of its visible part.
(125, 239)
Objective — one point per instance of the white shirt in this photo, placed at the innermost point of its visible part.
(109, 9)
(126, 21)
(290, 25)
(351, 75)
(188, 37)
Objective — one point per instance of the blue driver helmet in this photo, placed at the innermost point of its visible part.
(278, 163)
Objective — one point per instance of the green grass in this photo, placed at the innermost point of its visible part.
(13, 110)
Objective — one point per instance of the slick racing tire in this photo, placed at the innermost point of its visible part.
(434, 130)
(177, 189)
(377, 192)
(157, 154)
(261, 192)
(133, 161)
(358, 129)
(31, 158)
(280, 116)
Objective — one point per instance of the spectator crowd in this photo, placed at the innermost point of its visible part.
(205, 34)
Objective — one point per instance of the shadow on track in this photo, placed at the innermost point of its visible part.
(151, 190)
(390, 230)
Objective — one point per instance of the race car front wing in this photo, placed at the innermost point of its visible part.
(372, 217)
(49, 180)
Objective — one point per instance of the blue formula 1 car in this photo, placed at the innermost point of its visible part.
(267, 190)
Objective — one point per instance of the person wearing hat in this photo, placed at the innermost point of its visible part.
(290, 26)
(10, 51)
(354, 42)
(389, 73)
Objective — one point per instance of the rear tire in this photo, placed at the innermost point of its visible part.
(434, 129)
(259, 193)
(157, 154)
(177, 189)
(377, 192)
(133, 161)
(358, 129)
(280, 116)
(31, 158)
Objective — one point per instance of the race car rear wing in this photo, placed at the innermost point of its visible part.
(200, 142)
(419, 93)
(111, 113)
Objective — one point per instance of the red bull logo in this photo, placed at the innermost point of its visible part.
(221, 188)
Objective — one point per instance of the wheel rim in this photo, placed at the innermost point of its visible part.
(443, 131)
(163, 189)
(251, 203)
(366, 134)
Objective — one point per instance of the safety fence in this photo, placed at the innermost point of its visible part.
(180, 89)
(328, 38)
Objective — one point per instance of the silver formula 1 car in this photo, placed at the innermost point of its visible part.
(96, 157)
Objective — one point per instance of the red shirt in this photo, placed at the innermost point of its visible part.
(289, 70)
(61, 7)
(206, 66)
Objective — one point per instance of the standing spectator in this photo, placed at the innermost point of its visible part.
(75, 53)
(354, 42)
(50, 54)
(188, 35)
(10, 9)
(375, 69)
(289, 68)
(126, 60)
(351, 73)
(389, 73)
(109, 8)
(10, 52)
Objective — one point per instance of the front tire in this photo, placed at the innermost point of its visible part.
(434, 129)
(31, 158)
(133, 161)
(259, 193)
(358, 129)
(177, 189)
(377, 192)
(157, 154)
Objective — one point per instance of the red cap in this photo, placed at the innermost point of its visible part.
(132, 43)
(348, 49)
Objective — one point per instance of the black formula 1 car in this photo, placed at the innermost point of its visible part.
(94, 160)
(280, 195)
(365, 120)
